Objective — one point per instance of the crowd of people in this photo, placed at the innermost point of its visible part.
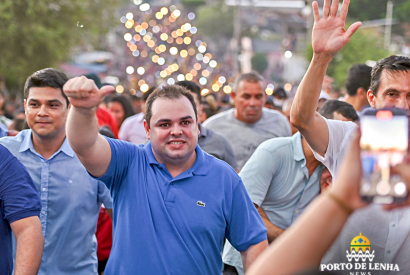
(165, 189)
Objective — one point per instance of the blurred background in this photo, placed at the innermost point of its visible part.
(137, 44)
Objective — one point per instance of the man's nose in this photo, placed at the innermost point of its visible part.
(176, 130)
(42, 111)
(253, 101)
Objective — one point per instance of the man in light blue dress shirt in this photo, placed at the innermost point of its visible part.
(4, 131)
(70, 198)
(282, 177)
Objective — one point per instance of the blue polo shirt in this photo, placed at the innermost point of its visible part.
(165, 225)
(19, 199)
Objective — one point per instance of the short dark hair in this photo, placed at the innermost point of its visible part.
(169, 92)
(125, 103)
(358, 77)
(391, 64)
(252, 77)
(341, 107)
(48, 77)
(192, 87)
(148, 93)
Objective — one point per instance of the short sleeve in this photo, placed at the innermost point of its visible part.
(123, 154)
(19, 197)
(104, 196)
(257, 174)
(245, 226)
(339, 136)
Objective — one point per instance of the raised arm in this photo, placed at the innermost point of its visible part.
(30, 243)
(91, 148)
(328, 37)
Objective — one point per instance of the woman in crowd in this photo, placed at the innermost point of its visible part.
(121, 108)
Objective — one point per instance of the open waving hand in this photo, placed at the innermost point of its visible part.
(328, 37)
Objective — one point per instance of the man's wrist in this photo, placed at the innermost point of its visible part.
(85, 110)
(342, 204)
(322, 59)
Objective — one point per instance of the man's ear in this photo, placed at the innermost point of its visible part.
(371, 98)
(233, 95)
(362, 93)
(147, 130)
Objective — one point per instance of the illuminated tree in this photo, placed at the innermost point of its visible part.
(166, 49)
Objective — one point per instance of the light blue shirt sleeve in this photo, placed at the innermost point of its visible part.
(258, 172)
(3, 130)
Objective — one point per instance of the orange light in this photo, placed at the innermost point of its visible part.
(384, 115)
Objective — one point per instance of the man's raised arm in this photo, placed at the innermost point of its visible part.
(328, 37)
(91, 148)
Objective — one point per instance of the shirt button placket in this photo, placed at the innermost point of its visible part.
(44, 194)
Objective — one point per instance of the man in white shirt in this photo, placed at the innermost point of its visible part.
(388, 232)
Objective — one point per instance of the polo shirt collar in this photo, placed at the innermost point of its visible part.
(150, 154)
(200, 166)
(297, 147)
(27, 144)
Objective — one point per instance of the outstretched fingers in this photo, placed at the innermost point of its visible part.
(334, 8)
(344, 10)
(326, 9)
(315, 8)
(352, 29)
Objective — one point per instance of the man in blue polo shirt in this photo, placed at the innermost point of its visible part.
(70, 198)
(173, 204)
(19, 210)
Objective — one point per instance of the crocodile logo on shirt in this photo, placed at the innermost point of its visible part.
(200, 203)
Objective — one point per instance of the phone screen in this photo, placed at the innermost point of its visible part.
(384, 143)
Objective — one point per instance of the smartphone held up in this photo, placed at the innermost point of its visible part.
(384, 144)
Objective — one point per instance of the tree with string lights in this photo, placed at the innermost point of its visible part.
(165, 48)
